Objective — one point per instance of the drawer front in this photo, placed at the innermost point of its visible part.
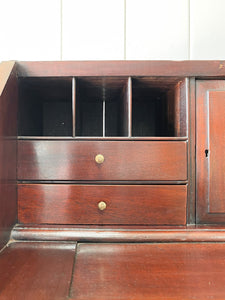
(121, 204)
(124, 160)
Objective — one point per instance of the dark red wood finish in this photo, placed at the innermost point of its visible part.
(126, 160)
(78, 204)
(179, 107)
(119, 234)
(8, 132)
(191, 203)
(149, 271)
(100, 138)
(147, 183)
(122, 68)
(211, 164)
(37, 271)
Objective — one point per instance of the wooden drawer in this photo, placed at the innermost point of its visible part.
(125, 204)
(124, 160)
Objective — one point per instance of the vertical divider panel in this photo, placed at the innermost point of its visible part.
(180, 108)
(103, 118)
(73, 106)
(126, 108)
(129, 92)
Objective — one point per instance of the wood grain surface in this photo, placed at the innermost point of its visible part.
(149, 271)
(78, 204)
(8, 148)
(119, 234)
(122, 68)
(191, 193)
(37, 271)
(127, 160)
(211, 138)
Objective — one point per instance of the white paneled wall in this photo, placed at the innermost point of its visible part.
(112, 29)
(30, 30)
(157, 29)
(92, 29)
(207, 29)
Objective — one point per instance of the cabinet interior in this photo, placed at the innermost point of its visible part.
(45, 107)
(102, 107)
(158, 107)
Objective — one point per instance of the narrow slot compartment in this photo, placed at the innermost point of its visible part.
(101, 106)
(73, 106)
(45, 107)
(159, 107)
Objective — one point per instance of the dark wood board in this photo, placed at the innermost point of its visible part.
(37, 271)
(8, 149)
(122, 68)
(191, 203)
(149, 271)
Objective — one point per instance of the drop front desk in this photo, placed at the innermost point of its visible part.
(112, 180)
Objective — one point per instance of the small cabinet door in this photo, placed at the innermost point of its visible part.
(210, 151)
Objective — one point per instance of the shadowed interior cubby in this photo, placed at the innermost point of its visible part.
(102, 106)
(158, 107)
(45, 106)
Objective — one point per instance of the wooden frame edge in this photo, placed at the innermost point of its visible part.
(117, 235)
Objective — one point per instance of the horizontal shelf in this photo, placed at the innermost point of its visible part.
(154, 138)
(104, 182)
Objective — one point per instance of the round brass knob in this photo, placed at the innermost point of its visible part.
(102, 205)
(99, 158)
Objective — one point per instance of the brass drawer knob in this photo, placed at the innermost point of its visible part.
(99, 158)
(102, 205)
